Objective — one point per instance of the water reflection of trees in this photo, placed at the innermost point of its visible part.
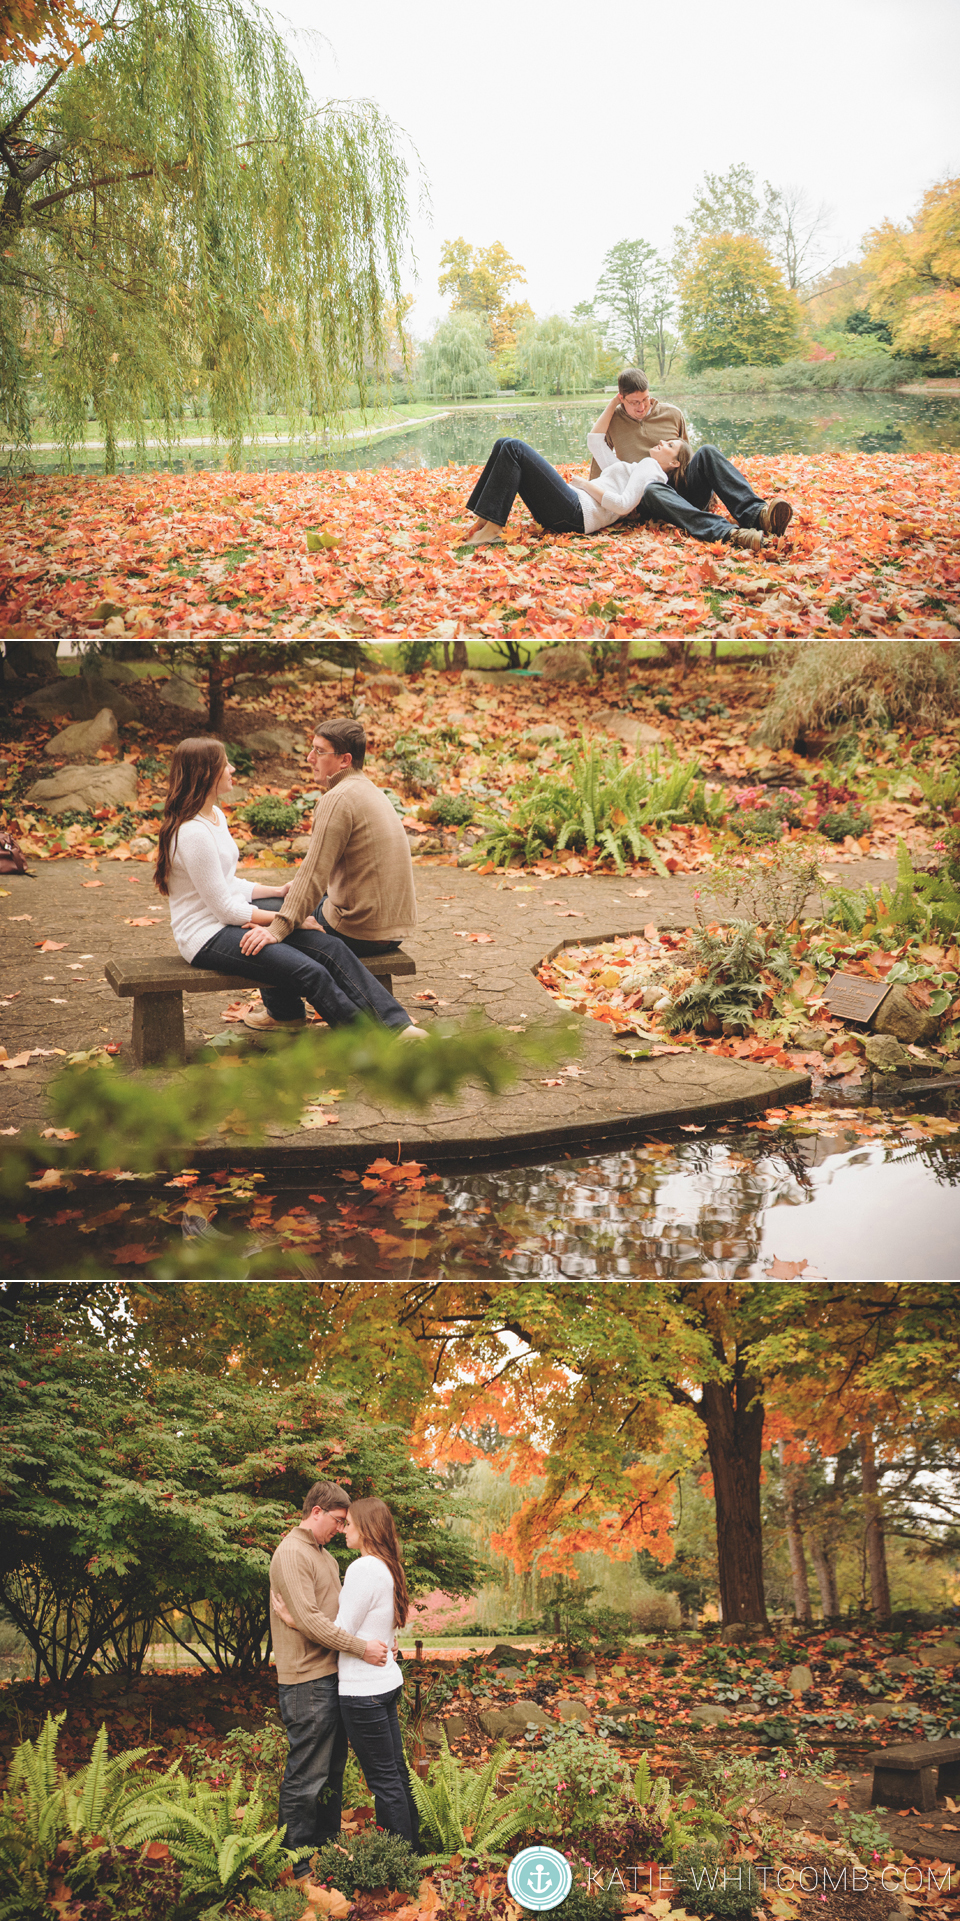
(649, 1214)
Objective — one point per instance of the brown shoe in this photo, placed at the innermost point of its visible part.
(775, 516)
(750, 537)
(264, 1023)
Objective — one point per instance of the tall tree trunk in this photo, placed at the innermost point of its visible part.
(826, 1576)
(459, 656)
(875, 1540)
(732, 1413)
(215, 702)
(798, 1564)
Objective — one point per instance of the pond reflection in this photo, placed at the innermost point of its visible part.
(761, 424)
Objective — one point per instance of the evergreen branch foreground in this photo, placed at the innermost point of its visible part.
(146, 1122)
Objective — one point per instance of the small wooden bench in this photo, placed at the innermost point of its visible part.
(912, 1775)
(157, 987)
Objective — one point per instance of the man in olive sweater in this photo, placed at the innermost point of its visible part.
(356, 880)
(307, 1579)
(638, 421)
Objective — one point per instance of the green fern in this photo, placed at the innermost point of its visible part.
(35, 1780)
(597, 801)
(459, 1809)
(218, 1844)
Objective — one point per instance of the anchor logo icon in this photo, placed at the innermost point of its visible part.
(539, 1878)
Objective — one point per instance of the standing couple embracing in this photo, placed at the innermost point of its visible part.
(326, 1703)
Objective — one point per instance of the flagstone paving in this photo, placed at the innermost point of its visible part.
(59, 999)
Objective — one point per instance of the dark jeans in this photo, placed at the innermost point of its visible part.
(310, 966)
(310, 1712)
(710, 472)
(664, 503)
(514, 468)
(374, 1731)
(360, 947)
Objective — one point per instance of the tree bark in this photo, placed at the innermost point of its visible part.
(826, 1577)
(215, 703)
(459, 656)
(875, 1539)
(798, 1564)
(733, 1413)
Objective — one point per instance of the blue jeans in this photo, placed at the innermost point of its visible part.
(374, 1730)
(514, 468)
(664, 503)
(710, 472)
(310, 1712)
(306, 966)
(360, 947)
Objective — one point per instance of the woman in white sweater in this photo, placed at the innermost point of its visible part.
(209, 907)
(373, 1603)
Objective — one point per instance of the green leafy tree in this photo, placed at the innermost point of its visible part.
(732, 202)
(636, 298)
(557, 356)
(735, 307)
(456, 363)
(178, 215)
(131, 1496)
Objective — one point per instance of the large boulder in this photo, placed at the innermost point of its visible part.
(943, 1654)
(800, 1679)
(885, 1054)
(274, 740)
(897, 1015)
(81, 698)
(515, 1719)
(178, 691)
(626, 727)
(572, 1710)
(84, 788)
(111, 669)
(85, 736)
(899, 1664)
(710, 1717)
(503, 1655)
(566, 661)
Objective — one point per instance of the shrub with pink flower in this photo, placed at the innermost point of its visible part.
(440, 1613)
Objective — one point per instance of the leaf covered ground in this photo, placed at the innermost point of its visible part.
(871, 550)
(776, 1701)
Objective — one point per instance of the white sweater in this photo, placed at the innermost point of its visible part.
(366, 1609)
(205, 894)
(625, 482)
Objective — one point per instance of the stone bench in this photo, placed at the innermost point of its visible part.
(157, 987)
(913, 1774)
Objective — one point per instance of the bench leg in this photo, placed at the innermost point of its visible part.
(948, 1778)
(904, 1788)
(158, 1032)
(386, 980)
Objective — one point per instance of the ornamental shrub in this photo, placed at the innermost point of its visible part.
(270, 816)
(590, 1904)
(838, 822)
(370, 1859)
(713, 1887)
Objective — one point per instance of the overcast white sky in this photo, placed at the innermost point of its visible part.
(559, 129)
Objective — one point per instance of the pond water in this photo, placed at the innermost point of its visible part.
(784, 423)
(844, 1195)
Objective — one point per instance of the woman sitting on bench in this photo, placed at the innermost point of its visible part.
(209, 907)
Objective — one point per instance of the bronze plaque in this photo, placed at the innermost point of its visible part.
(850, 997)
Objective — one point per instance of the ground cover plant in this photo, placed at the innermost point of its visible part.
(870, 551)
(702, 1813)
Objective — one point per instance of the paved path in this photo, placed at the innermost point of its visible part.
(60, 999)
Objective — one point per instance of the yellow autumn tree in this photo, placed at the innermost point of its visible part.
(479, 278)
(736, 309)
(913, 274)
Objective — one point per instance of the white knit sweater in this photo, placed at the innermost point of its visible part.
(366, 1609)
(205, 894)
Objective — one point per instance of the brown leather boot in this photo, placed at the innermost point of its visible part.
(750, 537)
(775, 516)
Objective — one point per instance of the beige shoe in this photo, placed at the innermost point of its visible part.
(775, 516)
(749, 537)
(264, 1023)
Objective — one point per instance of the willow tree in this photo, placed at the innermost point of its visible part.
(178, 216)
(455, 364)
(557, 356)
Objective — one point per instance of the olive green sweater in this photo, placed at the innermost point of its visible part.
(307, 1578)
(359, 858)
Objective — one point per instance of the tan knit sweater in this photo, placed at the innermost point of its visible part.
(359, 858)
(307, 1578)
(635, 439)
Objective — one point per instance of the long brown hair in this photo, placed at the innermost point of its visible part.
(194, 767)
(374, 1521)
